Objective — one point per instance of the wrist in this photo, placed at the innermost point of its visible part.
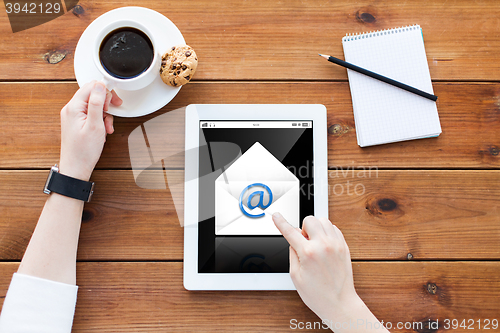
(350, 315)
(350, 307)
(74, 170)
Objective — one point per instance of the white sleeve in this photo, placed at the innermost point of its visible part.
(38, 305)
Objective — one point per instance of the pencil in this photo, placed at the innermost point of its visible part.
(379, 77)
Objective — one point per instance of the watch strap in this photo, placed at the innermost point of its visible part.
(70, 187)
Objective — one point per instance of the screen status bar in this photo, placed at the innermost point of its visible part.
(207, 124)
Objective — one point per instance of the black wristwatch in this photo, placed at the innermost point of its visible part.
(68, 186)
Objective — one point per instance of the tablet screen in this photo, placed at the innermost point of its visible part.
(255, 168)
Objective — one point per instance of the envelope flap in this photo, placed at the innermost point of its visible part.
(257, 163)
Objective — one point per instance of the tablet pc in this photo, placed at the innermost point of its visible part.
(242, 164)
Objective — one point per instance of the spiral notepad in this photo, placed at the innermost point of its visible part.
(384, 113)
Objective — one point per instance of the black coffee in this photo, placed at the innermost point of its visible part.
(126, 53)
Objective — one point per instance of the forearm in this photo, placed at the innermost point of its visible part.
(51, 252)
(354, 317)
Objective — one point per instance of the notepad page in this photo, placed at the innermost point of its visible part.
(384, 113)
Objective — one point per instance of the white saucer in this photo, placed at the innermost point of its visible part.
(139, 102)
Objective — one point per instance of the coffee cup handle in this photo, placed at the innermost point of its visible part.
(108, 83)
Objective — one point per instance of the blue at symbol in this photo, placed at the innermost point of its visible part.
(261, 199)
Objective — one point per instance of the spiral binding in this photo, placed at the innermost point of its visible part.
(366, 35)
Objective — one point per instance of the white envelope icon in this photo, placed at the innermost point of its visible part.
(254, 187)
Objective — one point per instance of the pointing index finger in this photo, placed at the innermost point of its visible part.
(115, 99)
(291, 234)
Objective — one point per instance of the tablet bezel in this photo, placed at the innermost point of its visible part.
(257, 112)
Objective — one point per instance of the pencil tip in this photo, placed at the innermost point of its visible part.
(322, 55)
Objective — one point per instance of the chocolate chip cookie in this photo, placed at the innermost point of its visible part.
(178, 65)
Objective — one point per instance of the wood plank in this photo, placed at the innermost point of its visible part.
(122, 222)
(149, 297)
(417, 214)
(384, 215)
(469, 113)
(272, 40)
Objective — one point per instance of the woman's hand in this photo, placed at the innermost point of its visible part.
(321, 270)
(320, 265)
(84, 126)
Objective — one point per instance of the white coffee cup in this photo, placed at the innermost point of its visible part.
(135, 83)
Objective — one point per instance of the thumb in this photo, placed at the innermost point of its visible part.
(96, 104)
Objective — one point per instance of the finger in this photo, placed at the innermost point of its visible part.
(338, 232)
(82, 95)
(294, 263)
(115, 100)
(327, 226)
(108, 100)
(108, 123)
(292, 235)
(341, 236)
(96, 104)
(312, 226)
(304, 233)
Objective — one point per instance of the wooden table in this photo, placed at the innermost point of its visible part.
(424, 235)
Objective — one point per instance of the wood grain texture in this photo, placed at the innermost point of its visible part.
(273, 40)
(469, 114)
(266, 52)
(123, 221)
(384, 215)
(150, 297)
